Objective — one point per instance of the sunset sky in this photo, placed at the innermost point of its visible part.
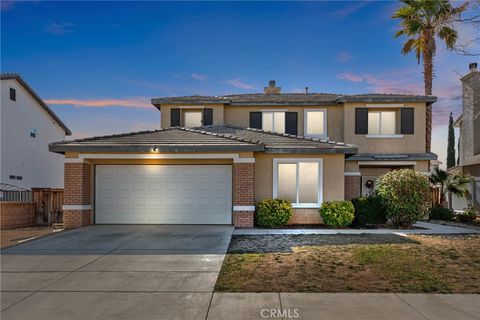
(98, 64)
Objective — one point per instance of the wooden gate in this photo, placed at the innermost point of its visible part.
(48, 205)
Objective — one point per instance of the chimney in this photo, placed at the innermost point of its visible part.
(271, 89)
(473, 67)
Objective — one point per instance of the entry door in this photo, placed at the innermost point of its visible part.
(163, 194)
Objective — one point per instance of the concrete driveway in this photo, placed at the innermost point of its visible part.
(114, 272)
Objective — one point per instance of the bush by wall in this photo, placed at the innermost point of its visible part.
(441, 213)
(368, 211)
(337, 213)
(406, 196)
(470, 215)
(272, 213)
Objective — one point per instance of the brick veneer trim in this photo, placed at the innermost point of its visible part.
(352, 187)
(76, 218)
(77, 184)
(243, 219)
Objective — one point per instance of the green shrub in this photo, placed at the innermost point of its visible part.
(406, 196)
(273, 213)
(337, 213)
(469, 215)
(440, 213)
(368, 211)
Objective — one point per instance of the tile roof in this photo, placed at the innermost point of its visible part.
(210, 138)
(307, 99)
(15, 76)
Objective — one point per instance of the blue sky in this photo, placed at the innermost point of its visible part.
(98, 64)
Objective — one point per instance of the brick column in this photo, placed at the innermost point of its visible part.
(243, 194)
(76, 200)
(353, 185)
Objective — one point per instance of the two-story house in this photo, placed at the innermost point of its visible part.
(215, 157)
(469, 139)
(28, 125)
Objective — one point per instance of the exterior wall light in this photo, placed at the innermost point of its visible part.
(155, 148)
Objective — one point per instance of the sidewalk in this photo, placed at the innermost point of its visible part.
(427, 228)
(344, 306)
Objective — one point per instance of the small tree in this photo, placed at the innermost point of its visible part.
(457, 184)
(451, 144)
(406, 196)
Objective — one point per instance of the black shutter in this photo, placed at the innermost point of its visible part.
(291, 123)
(256, 120)
(175, 118)
(407, 121)
(207, 117)
(361, 120)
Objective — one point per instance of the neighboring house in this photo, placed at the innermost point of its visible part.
(216, 157)
(469, 139)
(28, 125)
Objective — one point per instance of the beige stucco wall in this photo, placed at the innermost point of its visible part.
(240, 116)
(165, 112)
(333, 174)
(409, 143)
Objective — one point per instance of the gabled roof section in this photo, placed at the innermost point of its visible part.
(293, 99)
(285, 143)
(203, 139)
(175, 139)
(15, 76)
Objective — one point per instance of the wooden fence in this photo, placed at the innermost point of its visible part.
(435, 196)
(48, 205)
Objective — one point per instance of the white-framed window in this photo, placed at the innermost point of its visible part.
(192, 118)
(382, 122)
(273, 121)
(315, 123)
(299, 181)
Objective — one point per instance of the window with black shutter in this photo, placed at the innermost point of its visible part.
(175, 118)
(256, 120)
(13, 94)
(207, 117)
(291, 123)
(407, 121)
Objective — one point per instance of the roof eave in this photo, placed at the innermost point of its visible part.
(312, 150)
(62, 148)
(428, 99)
(283, 103)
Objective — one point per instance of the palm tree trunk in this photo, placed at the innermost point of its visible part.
(428, 79)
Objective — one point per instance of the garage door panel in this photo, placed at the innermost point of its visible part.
(183, 194)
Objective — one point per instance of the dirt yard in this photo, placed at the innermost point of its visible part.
(16, 236)
(346, 263)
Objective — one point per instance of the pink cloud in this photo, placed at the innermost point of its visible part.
(101, 103)
(238, 83)
(350, 76)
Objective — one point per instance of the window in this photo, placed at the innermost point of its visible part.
(298, 181)
(12, 177)
(33, 133)
(13, 94)
(382, 122)
(273, 121)
(316, 123)
(192, 119)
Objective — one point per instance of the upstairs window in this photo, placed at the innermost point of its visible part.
(192, 119)
(273, 121)
(33, 133)
(382, 122)
(316, 123)
(13, 94)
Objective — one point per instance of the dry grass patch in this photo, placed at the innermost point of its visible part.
(431, 264)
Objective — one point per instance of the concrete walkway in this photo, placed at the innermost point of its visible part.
(427, 228)
(344, 306)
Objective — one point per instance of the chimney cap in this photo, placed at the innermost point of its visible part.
(271, 83)
(473, 66)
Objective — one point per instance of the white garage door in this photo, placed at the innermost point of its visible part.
(175, 194)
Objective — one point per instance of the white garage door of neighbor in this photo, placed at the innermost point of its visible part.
(170, 194)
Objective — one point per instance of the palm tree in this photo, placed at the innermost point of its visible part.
(457, 184)
(423, 21)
